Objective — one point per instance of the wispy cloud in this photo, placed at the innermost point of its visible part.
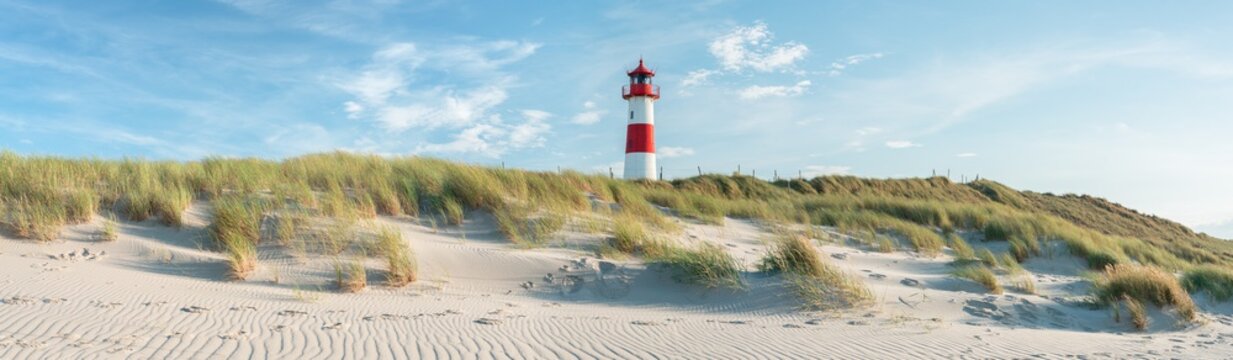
(386, 93)
(589, 115)
(965, 155)
(751, 47)
(755, 92)
(839, 66)
(901, 144)
(493, 138)
(671, 151)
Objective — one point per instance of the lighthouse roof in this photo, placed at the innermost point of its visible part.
(641, 70)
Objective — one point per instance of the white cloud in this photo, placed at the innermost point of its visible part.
(671, 152)
(965, 155)
(838, 66)
(901, 144)
(474, 139)
(822, 170)
(868, 130)
(494, 137)
(450, 110)
(385, 88)
(697, 77)
(757, 91)
(587, 117)
(591, 115)
(353, 109)
(530, 133)
(750, 47)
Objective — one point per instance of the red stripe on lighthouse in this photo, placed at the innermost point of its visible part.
(640, 138)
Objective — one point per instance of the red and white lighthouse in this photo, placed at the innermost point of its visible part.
(640, 134)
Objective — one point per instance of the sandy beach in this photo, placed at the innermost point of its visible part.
(155, 293)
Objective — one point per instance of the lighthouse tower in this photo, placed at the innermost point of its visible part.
(640, 134)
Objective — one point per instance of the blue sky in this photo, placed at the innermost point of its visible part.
(1125, 100)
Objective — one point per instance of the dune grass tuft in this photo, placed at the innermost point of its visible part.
(1146, 284)
(241, 254)
(1137, 312)
(1216, 281)
(350, 275)
(981, 275)
(820, 285)
(629, 235)
(707, 265)
(110, 231)
(401, 266)
(962, 250)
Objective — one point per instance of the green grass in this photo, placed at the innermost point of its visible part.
(350, 275)
(706, 264)
(40, 195)
(1216, 281)
(820, 285)
(628, 235)
(988, 258)
(110, 231)
(401, 265)
(962, 250)
(1144, 283)
(981, 275)
(241, 254)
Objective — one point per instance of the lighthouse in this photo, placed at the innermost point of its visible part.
(640, 133)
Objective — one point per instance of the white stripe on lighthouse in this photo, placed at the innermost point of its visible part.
(641, 165)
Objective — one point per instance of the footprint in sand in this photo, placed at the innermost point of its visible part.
(488, 321)
(194, 310)
(292, 313)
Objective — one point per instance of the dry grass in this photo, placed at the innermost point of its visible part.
(981, 275)
(110, 231)
(986, 256)
(1146, 284)
(401, 266)
(241, 254)
(707, 265)
(962, 250)
(820, 285)
(350, 276)
(1138, 313)
(1024, 283)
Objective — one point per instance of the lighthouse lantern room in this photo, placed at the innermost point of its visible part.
(640, 134)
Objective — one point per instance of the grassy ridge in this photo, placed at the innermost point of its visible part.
(40, 195)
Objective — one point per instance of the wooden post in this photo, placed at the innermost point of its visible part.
(776, 174)
(738, 169)
(754, 173)
(699, 170)
(611, 175)
(661, 173)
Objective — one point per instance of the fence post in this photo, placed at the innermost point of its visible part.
(611, 175)
(661, 173)
(699, 171)
(753, 172)
(776, 175)
(738, 169)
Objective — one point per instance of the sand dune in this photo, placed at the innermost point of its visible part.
(155, 293)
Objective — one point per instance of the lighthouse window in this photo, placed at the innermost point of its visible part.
(631, 115)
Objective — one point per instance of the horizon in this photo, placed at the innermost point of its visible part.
(1124, 104)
